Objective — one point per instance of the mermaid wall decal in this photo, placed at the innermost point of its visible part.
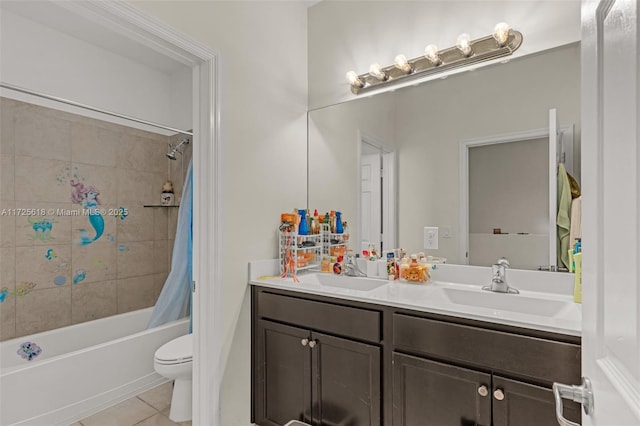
(87, 197)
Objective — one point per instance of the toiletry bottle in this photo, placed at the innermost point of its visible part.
(303, 228)
(577, 284)
(391, 266)
(325, 266)
(404, 265)
(339, 228)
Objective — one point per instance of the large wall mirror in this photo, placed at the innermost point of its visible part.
(415, 135)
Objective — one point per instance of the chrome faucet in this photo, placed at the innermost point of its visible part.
(499, 279)
(350, 266)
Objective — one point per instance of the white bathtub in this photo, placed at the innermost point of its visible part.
(82, 368)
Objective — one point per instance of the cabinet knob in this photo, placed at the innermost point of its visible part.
(498, 394)
(312, 343)
(483, 391)
(304, 342)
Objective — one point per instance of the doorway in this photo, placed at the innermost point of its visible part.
(377, 204)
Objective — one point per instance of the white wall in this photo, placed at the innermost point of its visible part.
(350, 35)
(39, 58)
(262, 48)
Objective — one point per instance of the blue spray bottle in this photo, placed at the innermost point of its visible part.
(339, 226)
(303, 227)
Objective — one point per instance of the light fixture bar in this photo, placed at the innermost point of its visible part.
(482, 49)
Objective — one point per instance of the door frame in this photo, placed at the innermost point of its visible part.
(126, 19)
(467, 144)
(389, 189)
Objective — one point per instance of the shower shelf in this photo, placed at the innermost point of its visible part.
(161, 205)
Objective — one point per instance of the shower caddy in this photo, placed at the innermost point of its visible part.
(304, 252)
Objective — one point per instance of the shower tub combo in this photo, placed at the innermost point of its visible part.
(58, 377)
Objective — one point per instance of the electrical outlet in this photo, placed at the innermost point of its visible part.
(446, 232)
(431, 237)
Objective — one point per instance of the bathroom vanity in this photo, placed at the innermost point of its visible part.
(349, 351)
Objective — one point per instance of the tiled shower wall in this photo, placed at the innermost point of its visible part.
(54, 272)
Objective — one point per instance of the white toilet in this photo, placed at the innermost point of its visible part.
(174, 360)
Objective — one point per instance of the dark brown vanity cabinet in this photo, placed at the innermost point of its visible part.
(457, 374)
(328, 361)
(303, 373)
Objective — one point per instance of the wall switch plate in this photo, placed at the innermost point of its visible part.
(446, 232)
(431, 237)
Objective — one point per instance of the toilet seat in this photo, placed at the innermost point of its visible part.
(177, 351)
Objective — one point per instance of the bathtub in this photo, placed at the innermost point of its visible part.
(81, 369)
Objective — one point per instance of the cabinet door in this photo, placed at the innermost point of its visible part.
(522, 404)
(283, 374)
(429, 393)
(346, 382)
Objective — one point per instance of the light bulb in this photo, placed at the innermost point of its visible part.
(402, 63)
(354, 80)
(463, 43)
(431, 53)
(501, 33)
(376, 71)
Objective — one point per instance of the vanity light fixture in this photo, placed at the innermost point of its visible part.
(354, 80)
(463, 43)
(431, 53)
(502, 42)
(376, 71)
(402, 64)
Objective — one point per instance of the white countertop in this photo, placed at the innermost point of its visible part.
(545, 301)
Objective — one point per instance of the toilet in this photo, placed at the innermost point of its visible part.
(174, 360)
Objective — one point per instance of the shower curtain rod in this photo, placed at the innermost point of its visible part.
(102, 111)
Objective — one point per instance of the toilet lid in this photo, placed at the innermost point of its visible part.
(177, 350)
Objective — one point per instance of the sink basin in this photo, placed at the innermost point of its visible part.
(506, 302)
(353, 283)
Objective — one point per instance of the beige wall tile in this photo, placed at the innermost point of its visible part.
(33, 266)
(139, 225)
(6, 177)
(136, 259)
(91, 301)
(136, 293)
(7, 224)
(38, 179)
(42, 310)
(41, 136)
(98, 260)
(102, 179)
(79, 223)
(137, 188)
(94, 145)
(142, 154)
(161, 256)
(56, 213)
(172, 223)
(8, 268)
(7, 114)
(160, 223)
(159, 161)
(8, 318)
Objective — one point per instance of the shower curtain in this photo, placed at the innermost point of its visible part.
(174, 301)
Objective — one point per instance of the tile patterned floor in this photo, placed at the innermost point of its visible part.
(150, 408)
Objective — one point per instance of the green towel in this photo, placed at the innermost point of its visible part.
(563, 220)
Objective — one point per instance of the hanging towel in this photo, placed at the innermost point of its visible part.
(576, 221)
(563, 220)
